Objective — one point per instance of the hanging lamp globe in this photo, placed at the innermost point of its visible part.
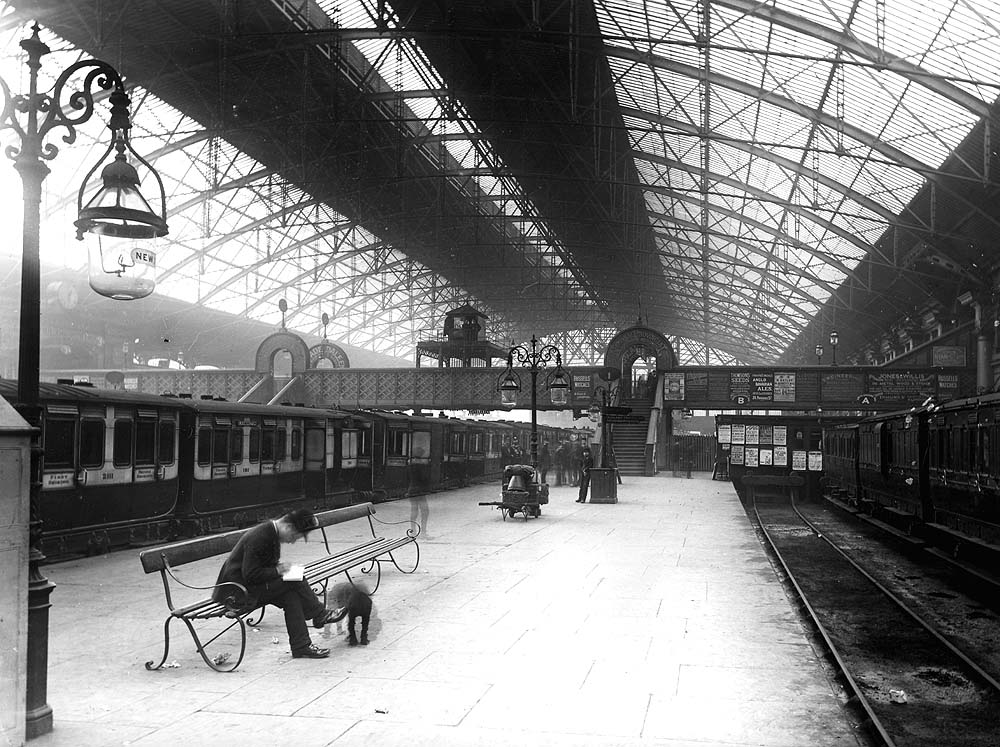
(123, 224)
(559, 387)
(509, 386)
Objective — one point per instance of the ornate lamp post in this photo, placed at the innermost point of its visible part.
(834, 340)
(819, 355)
(557, 382)
(117, 211)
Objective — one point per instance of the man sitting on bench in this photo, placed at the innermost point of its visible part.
(256, 563)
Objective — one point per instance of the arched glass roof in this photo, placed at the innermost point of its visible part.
(774, 143)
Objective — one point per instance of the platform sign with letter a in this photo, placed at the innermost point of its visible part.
(867, 399)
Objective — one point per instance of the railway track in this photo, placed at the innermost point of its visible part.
(916, 685)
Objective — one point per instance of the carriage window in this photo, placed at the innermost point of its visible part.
(959, 448)
(122, 449)
(315, 444)
(365, 443)
(167, 433)
(984, 450)
(477, 440)
(91, 443)
(236, 446)
(220, 445)
(268, 439)
(255, 444)
(397, 443)
(296, 444)
(421, 447)
(59, 437)
(349, 445)
(145, 441)
(972, 448)
(204, 446)
(281, 445)
(458, 442)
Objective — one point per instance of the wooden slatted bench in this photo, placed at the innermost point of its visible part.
(367, 556)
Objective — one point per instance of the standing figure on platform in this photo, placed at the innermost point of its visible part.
(255, 563)
(505, 455)
(576, 458)
(586, 463)
(544, 460)
(419, 512)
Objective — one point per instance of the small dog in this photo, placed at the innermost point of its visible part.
(352, 600)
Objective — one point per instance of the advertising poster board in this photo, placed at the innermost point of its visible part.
(673, 387)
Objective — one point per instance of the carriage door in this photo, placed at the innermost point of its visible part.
(314, 459)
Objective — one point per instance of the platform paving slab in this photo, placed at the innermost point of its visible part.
(658, 620)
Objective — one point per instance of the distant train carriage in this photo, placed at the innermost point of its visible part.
(891, 447)
(497, 436)
(246, 458)
(110, 466)
(476, 466)
(125, 468)
(456, 452)
(840, 462)
(963, 471)
(408, 453)
(933, 471)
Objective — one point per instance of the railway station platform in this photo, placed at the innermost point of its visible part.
(658, 620)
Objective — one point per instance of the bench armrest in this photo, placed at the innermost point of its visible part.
(167, 571)
(412, 532)
(170, 571)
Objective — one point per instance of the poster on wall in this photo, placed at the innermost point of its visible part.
(750, 456)
(780, 456)
(815, 461)
(753, 434)
(780, 435)
(799, 460)
(673, 387)
(739, 433)
(725, 434)
(784, 387)
(736, 456)
(766, 458)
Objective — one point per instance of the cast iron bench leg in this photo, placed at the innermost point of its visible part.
(222, 666)
(166, 645)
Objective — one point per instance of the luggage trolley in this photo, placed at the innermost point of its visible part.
(520, 493)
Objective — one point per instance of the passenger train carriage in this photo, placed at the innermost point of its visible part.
(932, 471)
(124, 468)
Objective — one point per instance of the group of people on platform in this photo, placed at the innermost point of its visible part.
(570, 461)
